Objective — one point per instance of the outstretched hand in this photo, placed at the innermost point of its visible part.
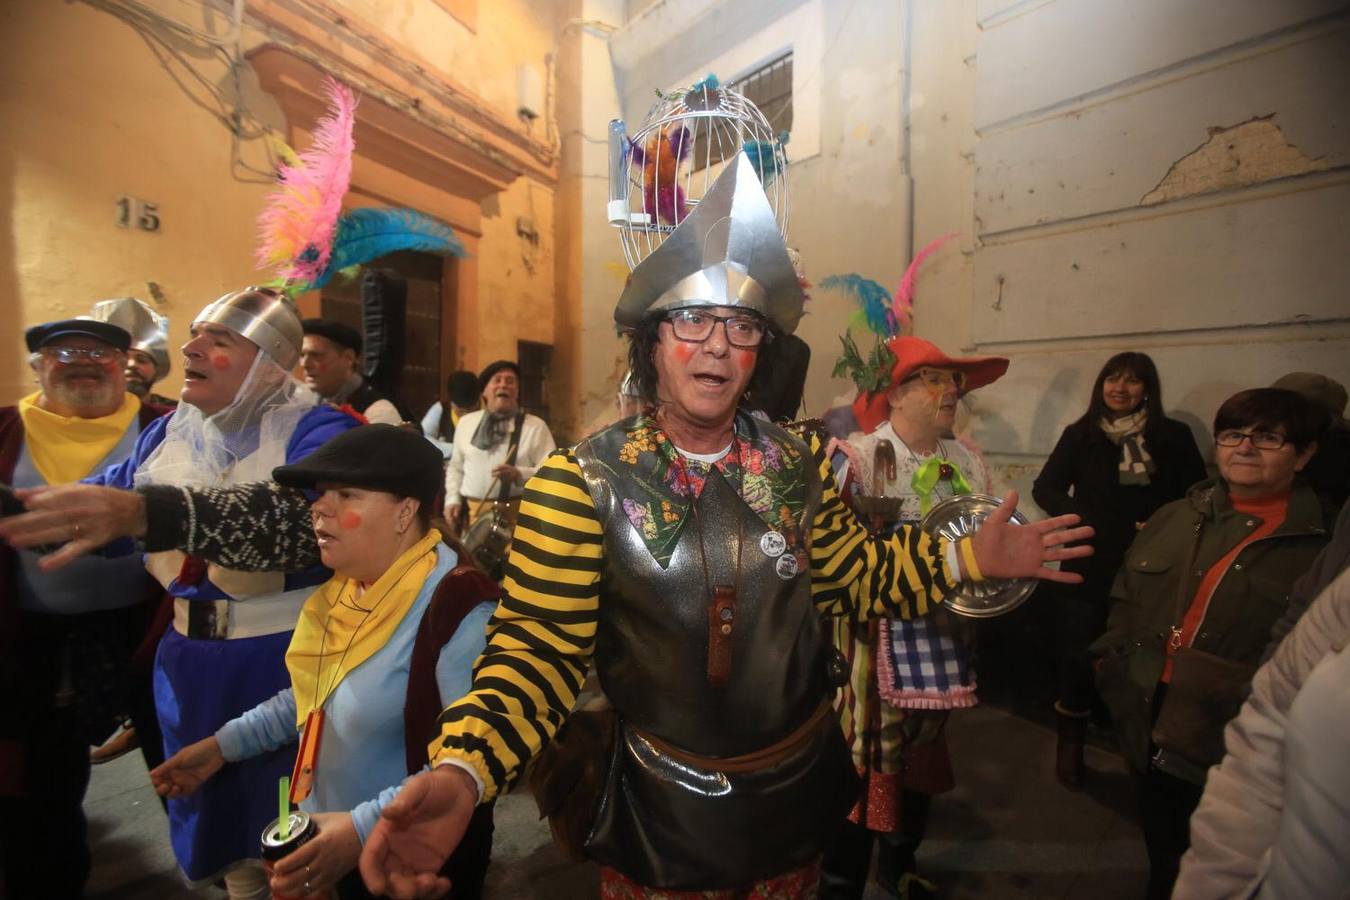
(416, 833)
(1005, 550)
(188, 769)
(80, 517)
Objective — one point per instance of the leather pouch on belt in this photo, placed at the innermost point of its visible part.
(568, 777)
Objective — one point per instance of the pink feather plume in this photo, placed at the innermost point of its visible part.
(297, 226)
(904, 296)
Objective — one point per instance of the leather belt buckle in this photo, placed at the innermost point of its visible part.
(208, 620)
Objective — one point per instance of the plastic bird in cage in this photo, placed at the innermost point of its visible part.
(666, 151)
(660, 174)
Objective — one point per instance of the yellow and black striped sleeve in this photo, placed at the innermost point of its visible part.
(901, 575)
(541, 638)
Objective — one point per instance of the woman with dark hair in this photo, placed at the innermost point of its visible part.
(1114, 467)
(1192, 611)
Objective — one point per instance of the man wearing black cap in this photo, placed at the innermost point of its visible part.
(442, 419)
(496, 448)
(65, 637)
(330, 357)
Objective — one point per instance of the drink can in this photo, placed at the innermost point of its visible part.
(275, 847)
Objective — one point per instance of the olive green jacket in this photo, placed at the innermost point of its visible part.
(1155, 585)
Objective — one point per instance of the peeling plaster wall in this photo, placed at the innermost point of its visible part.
(1249, 153)
(1184, 194)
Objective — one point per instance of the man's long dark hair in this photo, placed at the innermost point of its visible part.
(642, 343)
(1141, 366)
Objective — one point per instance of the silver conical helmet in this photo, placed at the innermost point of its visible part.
(265, 316)
(726, 252)
(148, 329)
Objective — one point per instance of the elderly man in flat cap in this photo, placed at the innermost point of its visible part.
(66, 637)
(497, 448)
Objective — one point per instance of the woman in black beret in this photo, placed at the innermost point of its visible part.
(377, 653)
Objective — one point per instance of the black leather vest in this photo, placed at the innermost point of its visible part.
(663, 822)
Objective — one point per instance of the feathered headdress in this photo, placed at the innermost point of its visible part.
(302, 230)
(879, 314)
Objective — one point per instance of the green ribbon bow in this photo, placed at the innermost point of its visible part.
(927, 476)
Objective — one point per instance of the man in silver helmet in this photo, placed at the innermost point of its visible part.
(688, 553)
(148, 356)
(241, 415)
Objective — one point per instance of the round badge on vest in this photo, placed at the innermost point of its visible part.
(786, 567)
(772, 543)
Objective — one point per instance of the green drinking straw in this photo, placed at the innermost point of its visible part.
(284, 805)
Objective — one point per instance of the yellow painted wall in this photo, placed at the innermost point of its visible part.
(101, 116)
(89, 113)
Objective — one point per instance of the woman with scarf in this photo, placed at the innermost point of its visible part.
(1114, 467)
(395, 630)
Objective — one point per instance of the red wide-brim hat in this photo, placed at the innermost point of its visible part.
(912, 354)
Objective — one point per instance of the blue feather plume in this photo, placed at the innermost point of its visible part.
(368, 233)
(764, 157)
(873, 300)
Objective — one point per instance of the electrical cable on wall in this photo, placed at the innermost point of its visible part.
(233, 113)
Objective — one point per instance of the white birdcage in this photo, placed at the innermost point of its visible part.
(659, 175)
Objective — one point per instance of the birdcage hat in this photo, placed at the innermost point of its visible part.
(726, 252)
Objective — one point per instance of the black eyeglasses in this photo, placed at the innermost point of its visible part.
(695, 326)
(68, 355)
(1261, 440)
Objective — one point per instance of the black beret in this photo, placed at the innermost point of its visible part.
(40, 336)
(342, 335)
(493, 368)
(463, 389)
(376, 457)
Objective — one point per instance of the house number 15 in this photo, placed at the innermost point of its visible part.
(134, 213)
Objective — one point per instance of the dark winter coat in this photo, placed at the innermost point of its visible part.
(1082, 476)
(1250, 597)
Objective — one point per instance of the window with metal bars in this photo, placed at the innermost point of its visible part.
(770, 88)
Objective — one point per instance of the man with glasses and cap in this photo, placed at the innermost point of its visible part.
(66, 638)
(242, 414)
(148, 355)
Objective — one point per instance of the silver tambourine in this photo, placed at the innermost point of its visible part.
(961, 516)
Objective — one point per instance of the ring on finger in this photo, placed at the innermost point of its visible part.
(75, 532)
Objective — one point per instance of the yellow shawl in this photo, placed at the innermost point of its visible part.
(66, 448)
(339, 629)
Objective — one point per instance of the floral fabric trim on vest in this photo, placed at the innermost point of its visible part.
(656, 482)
